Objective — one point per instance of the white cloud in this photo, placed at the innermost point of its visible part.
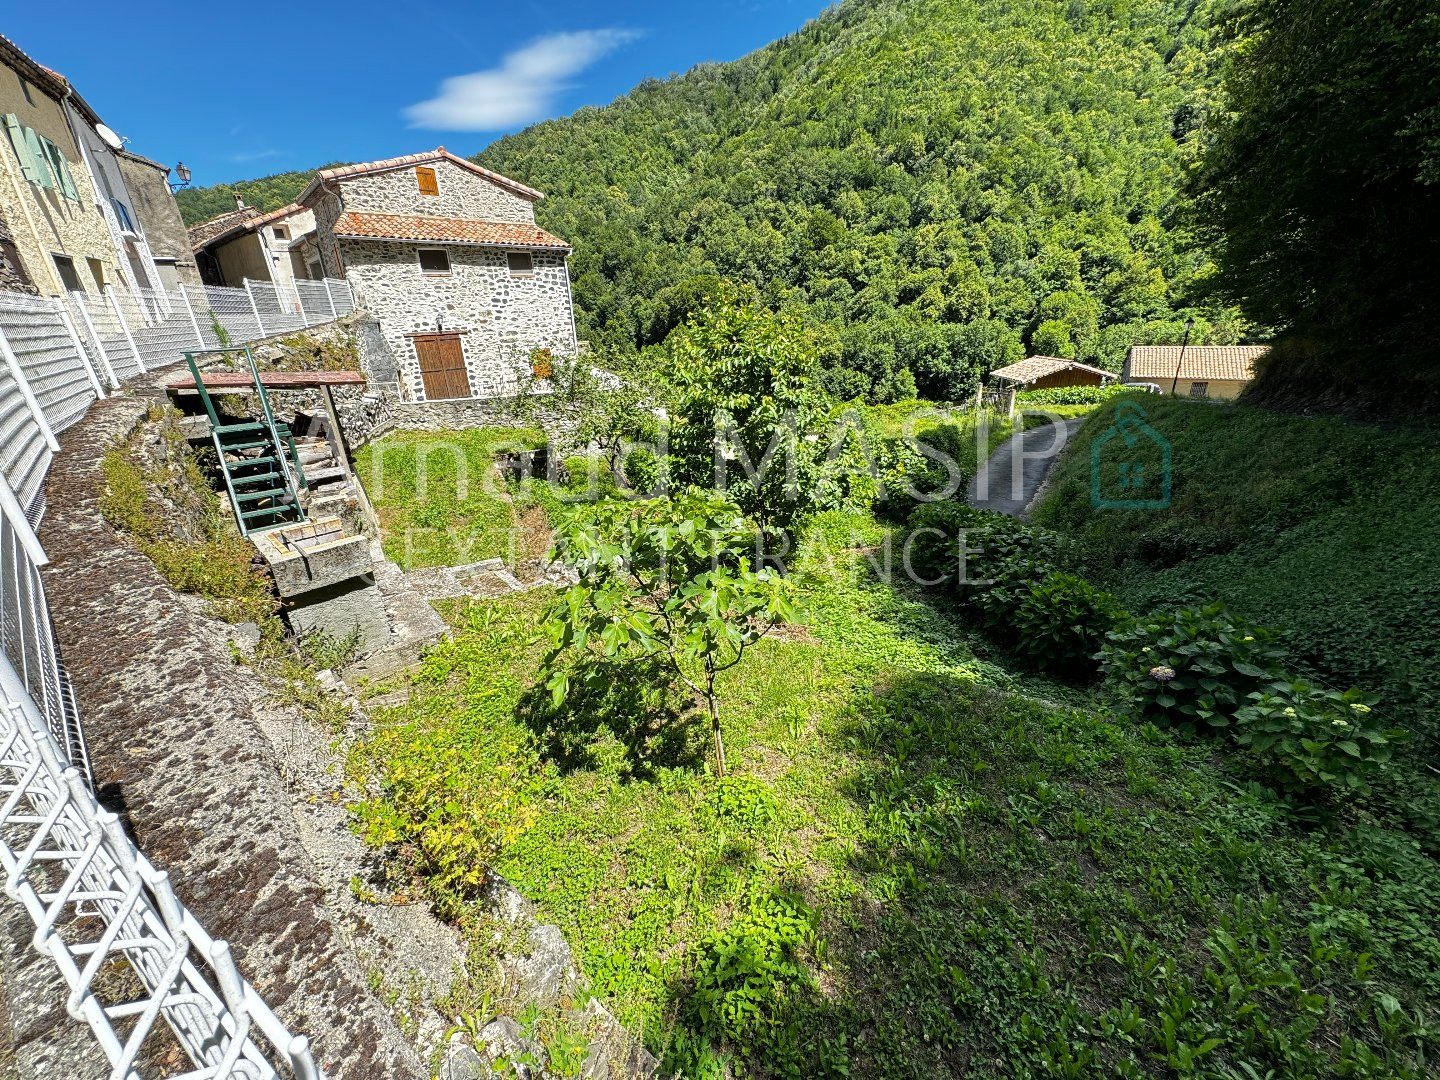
(521, 89)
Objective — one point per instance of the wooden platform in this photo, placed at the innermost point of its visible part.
(271, 380)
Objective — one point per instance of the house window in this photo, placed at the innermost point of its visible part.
(97, 271)
(522, 263)
(1199, 389)
(281, 232)
(25, 89)
(434, 261)
(65, 266)
(122, 214)
(427, 182)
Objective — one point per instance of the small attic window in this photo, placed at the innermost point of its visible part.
(282, 233)
(426, 181)
(522, 263)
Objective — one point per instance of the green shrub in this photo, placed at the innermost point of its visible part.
(1071, 395)
(1060, 622)
(745, 975)
(1193, 668)
(1308, 740)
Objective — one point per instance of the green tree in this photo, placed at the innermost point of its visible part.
(669, 579)
(746, 393)
(1319, 194)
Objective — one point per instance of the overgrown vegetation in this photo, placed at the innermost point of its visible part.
(1320, 169)
(156, 493)
(1327, 529)
(439, 497)
(913, 870)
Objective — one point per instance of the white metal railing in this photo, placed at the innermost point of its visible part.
(93, 897)
(58, 356)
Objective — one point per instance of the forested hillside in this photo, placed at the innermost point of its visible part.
(940, 184)
(266, 192)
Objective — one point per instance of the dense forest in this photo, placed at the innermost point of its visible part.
(265, 193)
(939, 186)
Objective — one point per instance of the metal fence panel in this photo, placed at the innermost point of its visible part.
(57, 373)
(314, 299)
(341, 295)
(109, 334)
(24, 456)
(279, 309)
(233, 313)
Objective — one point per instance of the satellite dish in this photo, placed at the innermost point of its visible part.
(109, 137)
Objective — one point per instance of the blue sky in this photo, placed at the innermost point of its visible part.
(244, 90)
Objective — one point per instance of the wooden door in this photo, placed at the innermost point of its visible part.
(442, 366)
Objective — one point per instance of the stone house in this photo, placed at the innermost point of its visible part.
(63, 196)
(447, 256)
(276, 246)
(1197, 371)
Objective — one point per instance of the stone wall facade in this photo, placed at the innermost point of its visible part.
(501, 319)
(149, 185)
(43, 220)
(463, 194)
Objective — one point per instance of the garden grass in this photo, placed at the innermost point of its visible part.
(439, 498)
(1005, 883)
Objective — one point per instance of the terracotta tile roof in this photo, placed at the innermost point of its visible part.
(1037, 367)
(344, 172)
(207, 232)
(236, 221)
(444, 230)
(1156, 363)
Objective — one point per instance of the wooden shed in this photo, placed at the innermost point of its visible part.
(1043, 372)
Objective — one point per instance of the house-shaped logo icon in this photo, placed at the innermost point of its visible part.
(1130, 464)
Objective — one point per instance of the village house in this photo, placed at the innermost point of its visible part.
(1044, 372)
(1197, 371)
(67, 218)
(275, 246)
(158, 215)
(447, 256)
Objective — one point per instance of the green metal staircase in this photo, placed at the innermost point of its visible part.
(257, 457)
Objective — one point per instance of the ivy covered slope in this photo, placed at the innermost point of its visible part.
(942, 185)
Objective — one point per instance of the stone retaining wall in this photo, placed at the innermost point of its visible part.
(177, 752)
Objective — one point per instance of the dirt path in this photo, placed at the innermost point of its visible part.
(1018, 467)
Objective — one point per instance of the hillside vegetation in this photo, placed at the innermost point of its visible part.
(264, 193)
(1327, 528)
(942, 185)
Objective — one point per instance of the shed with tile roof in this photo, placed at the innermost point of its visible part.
(1200, 371)
(1044, 372)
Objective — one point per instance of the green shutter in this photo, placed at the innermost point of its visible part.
(16, 131)
(61, 168)
(37, 155)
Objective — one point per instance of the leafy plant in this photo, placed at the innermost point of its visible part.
(1072, 395)
(666, 578)
(744, 975)
(1060, 621)
(1193, 668)
(1311, 740)
(746, 398)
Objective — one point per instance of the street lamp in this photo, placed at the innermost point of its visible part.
(1189, 325)
(183, 172)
